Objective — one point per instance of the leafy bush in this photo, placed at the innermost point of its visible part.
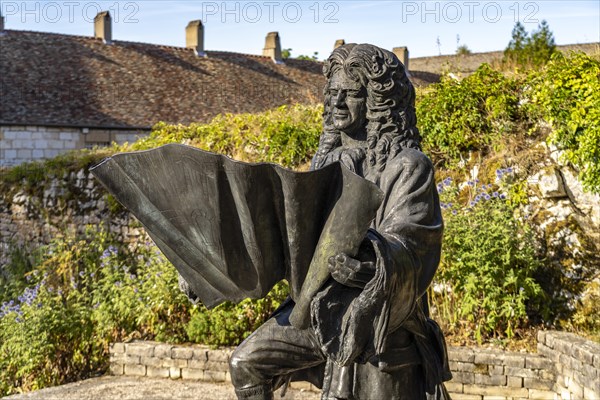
(484, 285)
(84, 293)
(81, 296)
(457, 116)
(566, 93)
(230, 324)
(288, 136)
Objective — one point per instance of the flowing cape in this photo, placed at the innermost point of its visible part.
(234, 229)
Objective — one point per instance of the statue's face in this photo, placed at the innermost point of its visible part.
(348, 103)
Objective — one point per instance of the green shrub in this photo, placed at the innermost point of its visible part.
(229, 324)
(288, 135)
(566, 94)
(458, 116)
(484, 285)
(82, 295)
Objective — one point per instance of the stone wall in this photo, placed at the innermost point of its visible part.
(72, 203)
(577, 364)
(468, 63)
(20, 144)
(566, 368)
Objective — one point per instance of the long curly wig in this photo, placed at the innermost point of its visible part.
(391, 120)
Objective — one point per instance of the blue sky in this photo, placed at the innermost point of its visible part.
(309, 26)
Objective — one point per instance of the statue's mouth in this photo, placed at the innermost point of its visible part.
(341, 114)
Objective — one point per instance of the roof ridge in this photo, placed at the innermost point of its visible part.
(130, 42)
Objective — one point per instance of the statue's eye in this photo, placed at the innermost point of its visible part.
(333, 92)
(354, 93)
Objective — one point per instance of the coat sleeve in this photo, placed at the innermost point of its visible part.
(407, 232)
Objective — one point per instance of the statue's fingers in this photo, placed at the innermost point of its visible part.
(331, 261)
(339, 276)
(341, 258)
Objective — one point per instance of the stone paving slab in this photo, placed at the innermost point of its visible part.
(134, 388)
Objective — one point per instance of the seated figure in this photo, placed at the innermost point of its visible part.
(370, 336)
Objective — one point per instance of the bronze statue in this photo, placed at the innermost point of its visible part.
(370, 336)
(358, 239)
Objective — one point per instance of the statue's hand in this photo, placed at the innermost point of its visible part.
(351, 272)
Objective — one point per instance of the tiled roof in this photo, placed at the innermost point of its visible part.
(54, 79)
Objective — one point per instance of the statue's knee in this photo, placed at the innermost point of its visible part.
(240, 364)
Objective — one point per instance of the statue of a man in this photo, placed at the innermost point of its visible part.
(370, 336)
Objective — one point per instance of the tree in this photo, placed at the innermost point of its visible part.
(314, 57)
(542, 44)
(463, 50)
(530, 50)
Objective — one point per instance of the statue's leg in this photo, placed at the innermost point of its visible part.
(274, 350)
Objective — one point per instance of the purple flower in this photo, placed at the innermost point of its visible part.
(81, 274)
(135, 290)
(28, 278)
(454, 212)
(487, 197)
(509, 170)
(503, 196)
(495, 194)
(118, 283)
(472, 203)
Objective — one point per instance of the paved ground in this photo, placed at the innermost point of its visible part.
(131, 388)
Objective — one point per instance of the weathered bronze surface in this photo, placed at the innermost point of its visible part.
(232, 229)
(358, 238)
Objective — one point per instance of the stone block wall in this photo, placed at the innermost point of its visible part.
(566, 368)
(73, 202)
(160, 360)
(577, 363)
(19, 144)
(482, 374)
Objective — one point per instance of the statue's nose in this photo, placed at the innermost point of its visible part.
(340, 98)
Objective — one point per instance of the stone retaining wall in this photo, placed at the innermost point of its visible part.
(482, 374)
(71, 203)
(566, 368)
(577, 364)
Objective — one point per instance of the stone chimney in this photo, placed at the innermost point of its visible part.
(273, 47)
(1, 23)
(194, 37)
(402, 54)
(338, 43)
(103, 26)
